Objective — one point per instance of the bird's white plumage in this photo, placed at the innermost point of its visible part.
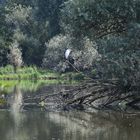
(67, 53)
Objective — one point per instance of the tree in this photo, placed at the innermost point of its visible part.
(5, 37)
(84, 58)
(121, 57)
(96, 18)
(15, 56)
(114, 26)
(54, 55)
(30, 32)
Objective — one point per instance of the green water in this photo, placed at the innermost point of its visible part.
(17, 123)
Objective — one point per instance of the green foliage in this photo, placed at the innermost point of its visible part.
(31, 23)
(96, 18)
(24, 73)
(120, 57)
(114, 26)
(33, 73)
(103, 35)
(6, 70)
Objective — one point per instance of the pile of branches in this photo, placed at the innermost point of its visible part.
(95, 94)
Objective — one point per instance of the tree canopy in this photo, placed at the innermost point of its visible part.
(102, 34)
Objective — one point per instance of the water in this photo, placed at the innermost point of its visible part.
(16, 123)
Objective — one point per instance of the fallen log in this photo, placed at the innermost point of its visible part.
(96, 93)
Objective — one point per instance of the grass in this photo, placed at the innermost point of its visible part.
(24, 73)
(34, 73)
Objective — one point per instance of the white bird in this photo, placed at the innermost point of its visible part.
(3, 96)
(67, 53)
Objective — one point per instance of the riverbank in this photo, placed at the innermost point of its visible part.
(97, 93)
(60, 95)
(51, 95)
(34, 73)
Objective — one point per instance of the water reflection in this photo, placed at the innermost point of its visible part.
(68, 126)
(18, 124)
(16, 114)
(16, 102)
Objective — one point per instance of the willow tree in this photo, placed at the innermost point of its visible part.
(15, 56)
(114, 26)
(97, 18)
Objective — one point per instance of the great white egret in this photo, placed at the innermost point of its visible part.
(67, 53)
(70, 61)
